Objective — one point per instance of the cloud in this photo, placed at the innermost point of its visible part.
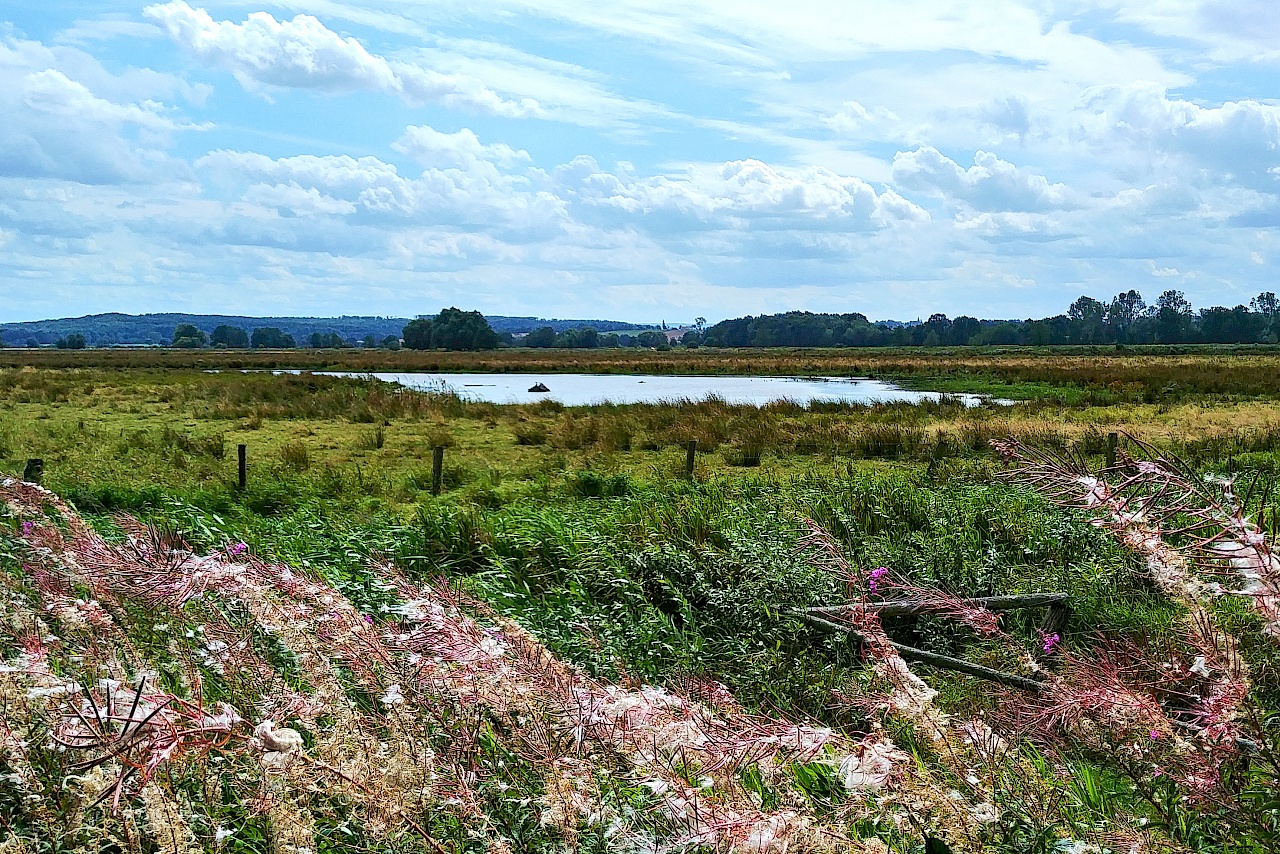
(303, 53)
(853, 119)
(52, 92)
(747, 190)
(463, 149)
(990, 184)
(374, 191)
(58, 127)
(297, 200)
(1240, 139)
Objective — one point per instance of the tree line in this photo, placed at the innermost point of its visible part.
(1126, 319)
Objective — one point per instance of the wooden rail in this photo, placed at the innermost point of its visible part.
(944, 662)
(900, 608)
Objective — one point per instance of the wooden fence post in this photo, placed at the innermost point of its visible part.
(34, 472)
(437, 469)
(242, 457)
(1113, 441)
(690, 451)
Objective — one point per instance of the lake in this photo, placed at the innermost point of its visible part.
(586, 389)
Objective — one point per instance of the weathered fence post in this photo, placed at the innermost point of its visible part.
(690, 451)
(242, 456)
(34, 472)
(437, 469)
(1113, 441)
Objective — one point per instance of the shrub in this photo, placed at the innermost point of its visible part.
(293, 455)
(590, 484)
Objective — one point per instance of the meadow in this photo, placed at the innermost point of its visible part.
(575, 647)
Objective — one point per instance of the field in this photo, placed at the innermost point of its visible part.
(575, 647)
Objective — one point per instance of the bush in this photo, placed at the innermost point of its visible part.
(293, 455)
(589, 484)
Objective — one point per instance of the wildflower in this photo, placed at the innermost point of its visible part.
(1199, 667)
(27, 527)
(877, 574)
(393, 697)
(1155, 734)
(238, 549)
(1050, 641)
(492, 647)
(222, 833)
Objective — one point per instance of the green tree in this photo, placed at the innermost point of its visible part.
(231, 337)
(369, 342)
(74, 341)
(391, 342)
(1088, 316)
(451, 329)
(272, 338)
(1173, 318)
(651, 338)
(1125, 312)
(417, 334)
(326, 341)
(187, 335)
(1266, 305)
(543, 336)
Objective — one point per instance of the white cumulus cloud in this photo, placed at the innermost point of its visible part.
(1238, 138)
(746, 189)
(990, 184)
(303, 53)
(463, 149)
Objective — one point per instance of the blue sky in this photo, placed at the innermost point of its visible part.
(646, 161)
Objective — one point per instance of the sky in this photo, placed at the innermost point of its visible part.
(658, 160)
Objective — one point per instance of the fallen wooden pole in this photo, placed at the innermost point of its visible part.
(943, 662)
(900, 608)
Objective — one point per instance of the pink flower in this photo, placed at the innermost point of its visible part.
(877, 574)
(1050, 641)
(1155, 734)
(27, 527)
(238, 549)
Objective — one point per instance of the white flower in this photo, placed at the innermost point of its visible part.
(493, 647)
(393, 697)
(658, 787)
(279, 746)
(221, 834)
(870, 769)
(1199, 667)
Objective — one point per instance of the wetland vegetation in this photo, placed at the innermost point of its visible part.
(589, 651)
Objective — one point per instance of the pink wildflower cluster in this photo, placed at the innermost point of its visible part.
(1183, 526)
(439, 664)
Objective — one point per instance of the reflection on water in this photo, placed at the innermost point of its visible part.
(586, 389)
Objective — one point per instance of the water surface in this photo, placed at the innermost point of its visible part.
(587, 389)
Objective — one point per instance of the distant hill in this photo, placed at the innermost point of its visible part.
(102, 330)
